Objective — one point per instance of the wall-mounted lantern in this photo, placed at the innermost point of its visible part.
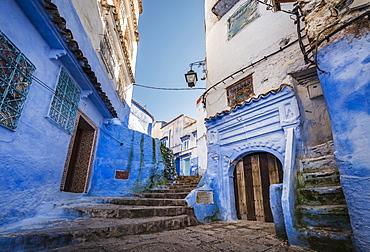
(191, 76)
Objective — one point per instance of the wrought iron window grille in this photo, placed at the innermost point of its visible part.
(15, 80)
(64, 106)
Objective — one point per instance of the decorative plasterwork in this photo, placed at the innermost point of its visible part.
(266, 123)
(250, 100)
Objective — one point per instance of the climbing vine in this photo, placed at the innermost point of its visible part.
(169, 162)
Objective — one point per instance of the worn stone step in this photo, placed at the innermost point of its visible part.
(127, 211)
(188, 184)
(190, 188)
(327, 241)
(162, 195)
(320, 163)
(143, 201)
(329, 195)
(64, 232)
(318, 179)
(172, 190)
(320, 150)
(326, 217)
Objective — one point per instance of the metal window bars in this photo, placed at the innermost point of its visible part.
(15, 80)
(63, 109)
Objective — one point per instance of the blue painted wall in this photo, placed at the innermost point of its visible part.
(346, 89)
(262, 125)
(32, 158)
(135, 152)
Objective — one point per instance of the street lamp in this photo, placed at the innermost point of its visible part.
(191, 76)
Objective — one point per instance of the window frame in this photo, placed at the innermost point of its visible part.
(72, 106)
(15, 82)
(233, 99)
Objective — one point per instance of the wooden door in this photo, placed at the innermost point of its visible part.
(253, 176)
(80, 156)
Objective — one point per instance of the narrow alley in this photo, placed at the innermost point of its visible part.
(240, 236)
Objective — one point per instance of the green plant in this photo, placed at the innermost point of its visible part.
(169, 162)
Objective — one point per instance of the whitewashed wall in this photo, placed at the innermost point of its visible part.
(261, 37)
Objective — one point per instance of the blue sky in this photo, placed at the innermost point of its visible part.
(171, 37)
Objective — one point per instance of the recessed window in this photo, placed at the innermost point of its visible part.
(240, 91)
(186, 144)
(245, 14)
(63, 109)
(222, 7)
(15, 80)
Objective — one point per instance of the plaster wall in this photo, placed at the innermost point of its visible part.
(89, 15)
(262, 36)
(315, 121)
(68, 11)
(346, 88)
(32, 157)
(268, 124)
(123, 149)
(176, 131)
(140, 120)
(201, 138)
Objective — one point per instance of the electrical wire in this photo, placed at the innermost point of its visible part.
(44, 85)
(162, 88)
(244, 68)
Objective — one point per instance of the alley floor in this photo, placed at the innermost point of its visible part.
(217, 236)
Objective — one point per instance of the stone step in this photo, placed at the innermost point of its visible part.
(328, 195)
(162, 195)
(326, 217)
(68, 231)
(182, 177)
(321, 150)
(142, 201)
(327, 241)
(127, 211)
(182, 187)
(172, 190)
(317, 179)
(321, 163)
(180, 184)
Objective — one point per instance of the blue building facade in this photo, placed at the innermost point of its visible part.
(63, 127)
(346, 86)
(298, 151)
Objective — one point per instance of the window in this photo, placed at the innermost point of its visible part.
(223, 6)
(245, 14)
(63, 109)
(15, 80)
(164, 141)
(186, 144)
(240, 91)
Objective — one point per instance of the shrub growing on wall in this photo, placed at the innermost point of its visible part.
(169, 162)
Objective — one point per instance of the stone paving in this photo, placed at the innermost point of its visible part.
(235, 236)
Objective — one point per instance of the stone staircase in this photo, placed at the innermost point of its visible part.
(321, 210)
(108, 217)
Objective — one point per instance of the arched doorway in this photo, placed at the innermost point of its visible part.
(253, 176)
